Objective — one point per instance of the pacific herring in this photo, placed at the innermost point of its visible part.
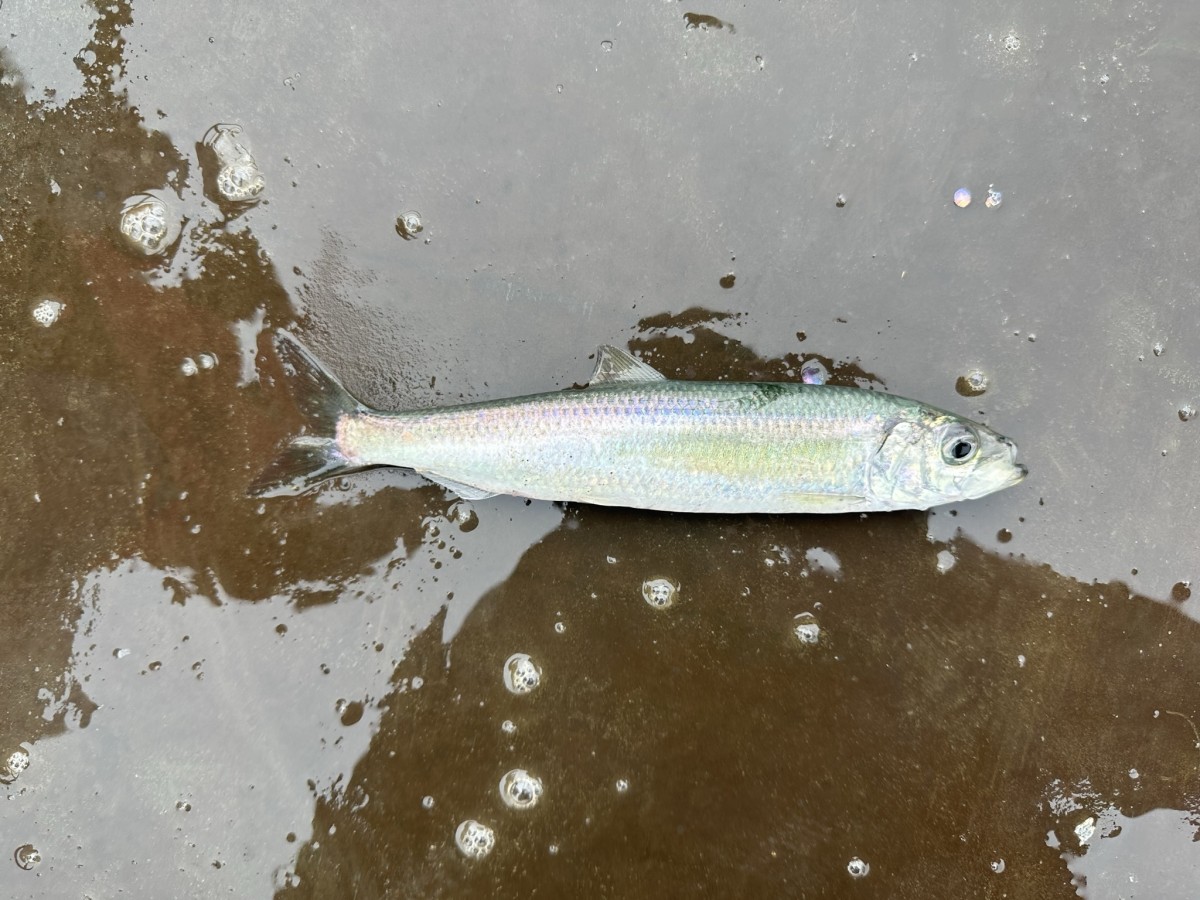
(635, 438)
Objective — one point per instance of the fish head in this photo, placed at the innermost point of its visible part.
(930, 457)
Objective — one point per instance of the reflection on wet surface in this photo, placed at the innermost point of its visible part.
(378, 690)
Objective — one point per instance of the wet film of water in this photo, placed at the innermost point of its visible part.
(379, 690)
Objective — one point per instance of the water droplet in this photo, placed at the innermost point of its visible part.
(520, 790)
(972, 384)
(660, 592)
(1004, 535)
(46, 313)
(806, 629)
(560, 627)
(206, 360)
(27, 856)
(945, 561)
(16, 763)
(1187, 412)
(149, 224)
(761, 64)
(1134, 774)
(997, 866)
(962, 198)
(858, 868)
(352, 713)
(188, 367)
(839, 201)
(622, 785)
(727, 281)
(409, 225)
(1158, 348)
(1181, 591)
(121, 652)
(814, 372)
(1021, 660)
(521, 673)
(183, 806)
(474, 839)
(427, 802)
(994, 198)
(508, 726)
(606, 46)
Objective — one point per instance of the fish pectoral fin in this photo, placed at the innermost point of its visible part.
(466, 491)
(613, 364)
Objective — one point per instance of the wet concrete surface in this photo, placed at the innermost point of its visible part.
(211, 695)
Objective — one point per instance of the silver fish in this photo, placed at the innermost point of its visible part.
(634, 438)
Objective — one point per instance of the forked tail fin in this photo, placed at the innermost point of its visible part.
(312, 455)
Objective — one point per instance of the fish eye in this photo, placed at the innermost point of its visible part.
(959, 446)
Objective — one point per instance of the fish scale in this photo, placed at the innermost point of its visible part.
(634, 438)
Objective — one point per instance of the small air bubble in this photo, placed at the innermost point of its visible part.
(806, 629)
(1158, 348)
(962, 198)
(188, 367)
(858, 868)
(427, 802)
(508, 726)
(839, 201)
(997, 866)
(27, 856)
(409, 225)
(814, 372)
(520, 790)
(972, 384)
(606, 46)
(1187, 412)
(622, 785)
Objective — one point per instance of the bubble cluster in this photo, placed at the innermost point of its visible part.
(962, 198)
(149, 225)
(520, 790)
(238, 177)
(202, 362)
(660, 592)
(806, 629)
(972, 384)
(521, 673)
(46, 313)
(814, 372)
(27, 856)
(858, 868)
(994, 198)
(839, 201)
(997, 866)
(409, 225)
(474, 839)
(11, 768)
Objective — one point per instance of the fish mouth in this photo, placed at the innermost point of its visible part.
(1019, 470)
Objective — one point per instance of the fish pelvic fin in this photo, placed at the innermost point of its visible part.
(312, 455)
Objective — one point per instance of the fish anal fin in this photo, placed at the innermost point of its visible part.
(466, 491)
(616, 365)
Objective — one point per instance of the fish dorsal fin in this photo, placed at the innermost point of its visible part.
(613, 364)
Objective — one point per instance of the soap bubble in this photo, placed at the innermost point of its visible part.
(238, 177)
(521, 673)
(149, 224)
(474, 839)
(660, 592)
(46, 313)
(12, 767)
